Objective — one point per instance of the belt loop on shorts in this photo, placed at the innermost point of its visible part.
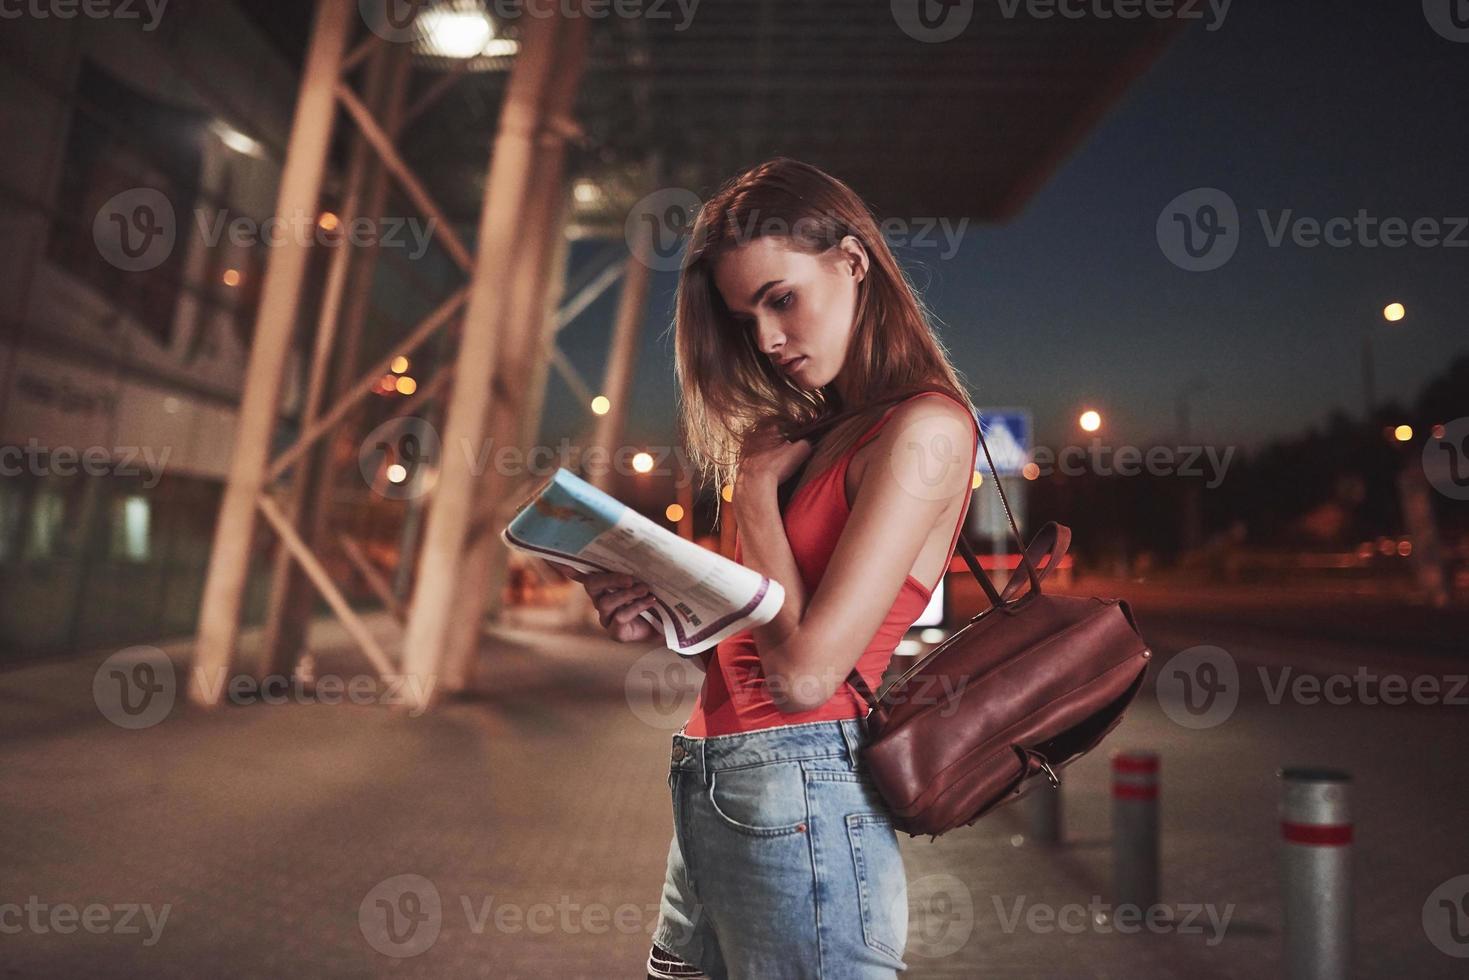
(703, 748)
(853, 739)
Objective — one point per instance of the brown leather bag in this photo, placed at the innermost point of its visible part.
(1023, 689)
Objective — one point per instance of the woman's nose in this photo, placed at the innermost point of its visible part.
(769, 338)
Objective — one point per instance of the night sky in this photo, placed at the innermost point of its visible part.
(1325, 109)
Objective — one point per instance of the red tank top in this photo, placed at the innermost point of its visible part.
(735, 697)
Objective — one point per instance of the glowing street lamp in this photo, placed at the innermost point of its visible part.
(450, 33)
(642, 462)
(1090, 421)
(601, 405)
(1393, 313)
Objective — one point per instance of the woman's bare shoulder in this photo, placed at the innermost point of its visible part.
(928, 439)
(933, 407)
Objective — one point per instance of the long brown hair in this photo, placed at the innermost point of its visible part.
(726, 386)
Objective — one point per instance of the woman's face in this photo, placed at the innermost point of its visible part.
(798, 307)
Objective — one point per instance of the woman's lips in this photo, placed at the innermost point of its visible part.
(792, 366)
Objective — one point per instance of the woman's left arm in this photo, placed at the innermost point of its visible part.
(920, 463)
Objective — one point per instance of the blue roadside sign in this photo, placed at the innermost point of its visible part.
(1007, 432)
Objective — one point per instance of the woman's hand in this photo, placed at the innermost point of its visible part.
(619, 600)
(767, 459)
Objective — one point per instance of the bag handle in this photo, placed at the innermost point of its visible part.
(1050, 542)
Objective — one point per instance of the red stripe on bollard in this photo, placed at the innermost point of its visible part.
(1325, 835)
(1123, 791)
(1134, 763)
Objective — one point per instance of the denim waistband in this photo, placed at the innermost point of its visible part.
(783, 743)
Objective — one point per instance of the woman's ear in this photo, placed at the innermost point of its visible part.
(857, 259)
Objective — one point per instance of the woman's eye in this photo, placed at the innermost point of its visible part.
(784, 301)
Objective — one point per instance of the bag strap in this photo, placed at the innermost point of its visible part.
(1056, 537)
(1050, 541)
(1025, 560)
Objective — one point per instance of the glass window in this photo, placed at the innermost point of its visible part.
(131, 519)
(122, 140)
(10, 519)
(48, 524)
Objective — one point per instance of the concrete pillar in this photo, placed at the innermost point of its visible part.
(607, 432)
(483, 572)
(552, 48)
(631, 308)
(300, 188)
(386, 95)
(533, 398)
(292, 599)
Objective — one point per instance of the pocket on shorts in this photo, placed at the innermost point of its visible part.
(766, 800)
(882, 885)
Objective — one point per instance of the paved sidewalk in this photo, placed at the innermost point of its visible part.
(522, 832)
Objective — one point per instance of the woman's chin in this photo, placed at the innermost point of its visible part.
(807, 380)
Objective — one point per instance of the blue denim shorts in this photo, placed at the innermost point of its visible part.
(784, 862)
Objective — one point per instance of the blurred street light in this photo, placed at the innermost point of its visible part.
(601, 405)
(1403, 433)
(1090, 420)
(456, 33)
(1392, 313)
(642, 462)
(236, 140)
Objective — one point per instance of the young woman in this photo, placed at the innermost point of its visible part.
(793, 315)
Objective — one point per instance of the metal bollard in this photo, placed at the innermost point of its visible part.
(1316, 874)
(1043, 813)
(1135, 828)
